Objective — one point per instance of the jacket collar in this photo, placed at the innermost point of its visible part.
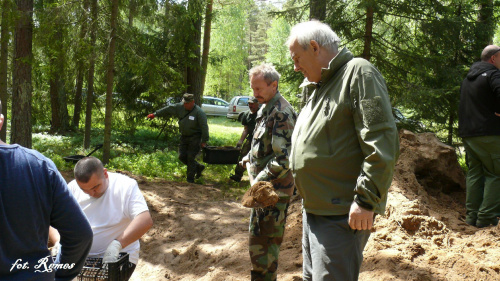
(343, 57)
(269, 105)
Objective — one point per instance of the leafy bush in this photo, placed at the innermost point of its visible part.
(147, 152)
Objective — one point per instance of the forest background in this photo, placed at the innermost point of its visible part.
(133, 55)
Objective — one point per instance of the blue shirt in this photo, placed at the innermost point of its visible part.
(34, 195)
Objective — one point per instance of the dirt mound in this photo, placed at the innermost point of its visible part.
(423, 235)
(199, 234)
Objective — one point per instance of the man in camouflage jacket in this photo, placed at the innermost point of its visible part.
(268, 161)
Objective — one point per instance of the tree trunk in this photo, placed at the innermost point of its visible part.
(60, 120)
(193, 71)
(80, 69)
(78, 96)
(55, 124)
(22, 88)
(368, 32)
(4, 54)
(486, 24)
(317, 9)
(206, 44)
(132, 8)
(90, 78)
(109, 83)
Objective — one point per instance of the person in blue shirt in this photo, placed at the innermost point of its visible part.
(34, 196)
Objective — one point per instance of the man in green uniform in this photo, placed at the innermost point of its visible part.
(194, 132)
(248, 121)
(268, 161)
(344, 149)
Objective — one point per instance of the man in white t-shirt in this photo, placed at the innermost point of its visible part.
(115, 208)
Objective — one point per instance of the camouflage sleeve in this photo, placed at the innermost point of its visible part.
(170, 110)
(281, 143)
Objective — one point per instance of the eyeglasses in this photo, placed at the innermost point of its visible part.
(498, 50)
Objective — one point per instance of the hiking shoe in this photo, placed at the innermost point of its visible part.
(482, 224)
(235, 178)
(190, 180)
(199, 170)
(471, 222)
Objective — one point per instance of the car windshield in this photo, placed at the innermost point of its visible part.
(243, 101)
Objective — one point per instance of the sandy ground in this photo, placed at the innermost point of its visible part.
(198, 234)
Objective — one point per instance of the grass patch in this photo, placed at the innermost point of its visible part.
(146, 152)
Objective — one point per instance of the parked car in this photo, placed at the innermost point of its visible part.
(214, 106)
(237, 105)
(405, 123)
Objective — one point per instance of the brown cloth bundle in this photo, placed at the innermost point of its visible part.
(261, 194)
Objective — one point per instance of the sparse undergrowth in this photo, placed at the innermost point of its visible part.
(146, 152)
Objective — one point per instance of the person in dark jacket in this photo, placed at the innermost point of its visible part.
(245, 142)
(194, 132)
(479, 127)
(34, 196)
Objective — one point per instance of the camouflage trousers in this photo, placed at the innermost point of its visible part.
(189, 147)
(267, 226)
(245, 148)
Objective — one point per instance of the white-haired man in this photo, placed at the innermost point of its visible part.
(344, 149)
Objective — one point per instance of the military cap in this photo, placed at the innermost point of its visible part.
(187, 98)
(252, 100)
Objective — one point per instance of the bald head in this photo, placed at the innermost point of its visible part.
(488, 52)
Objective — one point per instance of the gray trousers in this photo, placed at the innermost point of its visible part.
(330, 248)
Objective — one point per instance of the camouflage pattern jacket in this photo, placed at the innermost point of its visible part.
(271, 145)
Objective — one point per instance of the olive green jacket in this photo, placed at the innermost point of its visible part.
(345, 143)
(191, 123)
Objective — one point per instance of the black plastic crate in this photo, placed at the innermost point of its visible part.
(94, 269)
(221, 155)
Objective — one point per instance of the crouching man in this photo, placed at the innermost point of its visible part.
(115, 208)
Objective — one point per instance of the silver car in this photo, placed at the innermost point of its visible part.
(214, 106)
(237, 105)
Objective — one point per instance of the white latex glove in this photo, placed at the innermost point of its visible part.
(54, 250)
(112, 252)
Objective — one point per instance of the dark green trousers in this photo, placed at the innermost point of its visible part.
(189, 147)
(483, 179)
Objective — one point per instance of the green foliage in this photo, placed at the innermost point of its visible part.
(147, 153)
(279, 55)
(226, 73)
